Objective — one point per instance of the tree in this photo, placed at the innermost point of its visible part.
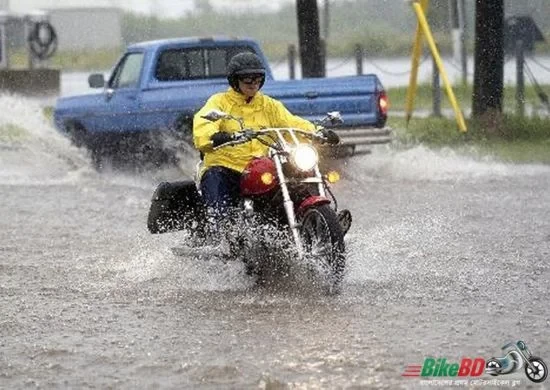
(309, 38)
(203, 7)
(488, 57)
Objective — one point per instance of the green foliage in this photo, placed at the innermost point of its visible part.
(511, 128)
(463, 93)
(423, 98)
(432, 131)
(383, 27)
(84, 60)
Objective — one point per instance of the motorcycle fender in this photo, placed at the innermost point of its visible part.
(312, 201)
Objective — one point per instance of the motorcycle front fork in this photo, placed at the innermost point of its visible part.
(248, 206)
(289, 207)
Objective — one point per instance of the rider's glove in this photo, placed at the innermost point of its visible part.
(220, 138)
(330, 136)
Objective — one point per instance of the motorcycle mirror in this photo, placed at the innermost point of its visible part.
(215, 115)
(335, 117)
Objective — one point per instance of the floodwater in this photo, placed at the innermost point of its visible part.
(448, 258)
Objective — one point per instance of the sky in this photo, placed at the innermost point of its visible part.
(162, 8)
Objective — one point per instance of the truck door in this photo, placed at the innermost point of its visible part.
(118, 109)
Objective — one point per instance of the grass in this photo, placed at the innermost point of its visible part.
(463, 93)
(82, 60)
(507, 138)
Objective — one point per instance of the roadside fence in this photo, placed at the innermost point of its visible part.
(524, 67)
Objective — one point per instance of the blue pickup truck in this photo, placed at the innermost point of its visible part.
(156, 87)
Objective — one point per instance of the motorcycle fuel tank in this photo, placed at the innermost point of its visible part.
(259, 177)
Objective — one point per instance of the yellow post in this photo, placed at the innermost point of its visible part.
(417, 51)
(431, 43)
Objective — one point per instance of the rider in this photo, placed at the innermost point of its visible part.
(222, 167)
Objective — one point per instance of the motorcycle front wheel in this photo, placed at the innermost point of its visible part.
(323, 242)
(540, 371)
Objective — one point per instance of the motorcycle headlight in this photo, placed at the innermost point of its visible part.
(305, 157)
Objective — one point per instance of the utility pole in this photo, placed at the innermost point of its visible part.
(309, 39)
(489, 57)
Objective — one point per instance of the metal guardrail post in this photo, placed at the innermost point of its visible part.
(436, 90)
(520, 80)
(359, 59)
(4, 64)
(292, 61)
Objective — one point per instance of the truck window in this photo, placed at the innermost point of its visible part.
(219, 57)
(178, 64)
(127, 73)
(187, 64)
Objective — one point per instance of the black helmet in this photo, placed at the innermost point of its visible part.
(243, 64)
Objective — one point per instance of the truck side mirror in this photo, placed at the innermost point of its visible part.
(96, 80)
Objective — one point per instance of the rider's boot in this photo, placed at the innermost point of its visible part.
(345, 219)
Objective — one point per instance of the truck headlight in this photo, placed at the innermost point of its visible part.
(305, 157)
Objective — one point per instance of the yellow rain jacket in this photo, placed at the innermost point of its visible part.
(261, 111)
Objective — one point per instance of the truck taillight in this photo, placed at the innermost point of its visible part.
(383, 103)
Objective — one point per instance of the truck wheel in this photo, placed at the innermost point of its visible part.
(77, 134)
(98, 159)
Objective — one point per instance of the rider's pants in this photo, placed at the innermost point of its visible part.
(220, 188)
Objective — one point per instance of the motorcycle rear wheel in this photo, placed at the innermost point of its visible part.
(492, 367)
(323, 242)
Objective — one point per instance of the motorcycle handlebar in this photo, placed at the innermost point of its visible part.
(506, 346)
(247, 135)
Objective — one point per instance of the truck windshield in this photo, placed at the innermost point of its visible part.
(192, 64)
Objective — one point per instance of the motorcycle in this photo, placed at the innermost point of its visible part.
(519, 355)
(284, 189)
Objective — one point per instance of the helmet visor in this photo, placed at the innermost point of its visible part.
(250, 79)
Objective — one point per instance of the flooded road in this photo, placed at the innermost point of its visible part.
(448, 257)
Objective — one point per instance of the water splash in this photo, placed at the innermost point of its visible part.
(421, 163)
(33, 152)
